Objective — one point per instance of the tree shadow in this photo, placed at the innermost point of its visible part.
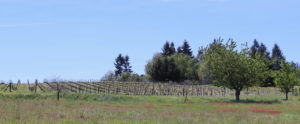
(251, 101)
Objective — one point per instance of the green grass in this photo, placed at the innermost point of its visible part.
(42, 108)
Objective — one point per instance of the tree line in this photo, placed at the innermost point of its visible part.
(220, 63)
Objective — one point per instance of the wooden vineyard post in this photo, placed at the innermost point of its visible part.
(185, 93)
(18, 84)
(10, 86)
(78, 89)
(168, 89)
(224, 94)
(58, 90)
(35, 87)
(192, 94)
(28, 85)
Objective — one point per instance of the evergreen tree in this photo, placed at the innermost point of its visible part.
(186, 49)
(264, 56)
(254, 49)
(263, 52)
(122, 65)
(119, 62)
(166, 49)
(179, 50)
(277, 56)
(172, 49)
(126, 65)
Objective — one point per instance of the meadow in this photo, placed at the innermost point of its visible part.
(23, 106)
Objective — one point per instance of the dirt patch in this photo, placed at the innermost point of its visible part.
(82, 103)
(106, 105)
(149, 106)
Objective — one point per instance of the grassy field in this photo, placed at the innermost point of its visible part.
(39, 108)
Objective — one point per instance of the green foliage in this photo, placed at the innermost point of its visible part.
(127, 76)
(260, 53)
(298, 75)
(109, 76)
(230, 68)
(187, 66)
(172, 66)
(285, 78)
(163, 68)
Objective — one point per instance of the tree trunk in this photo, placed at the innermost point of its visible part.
(237, 95)
(286, 96)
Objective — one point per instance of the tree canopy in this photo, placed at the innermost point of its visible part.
(228, 67)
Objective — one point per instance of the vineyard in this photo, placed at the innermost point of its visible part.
(138, 89)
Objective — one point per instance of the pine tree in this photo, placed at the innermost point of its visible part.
(186, 49)
(179, 50)
(262, 51)
(172, 49)
(254, 48)
(119, 62)
(166, 49)
(127, 67)
(277, 56)
(122, 65)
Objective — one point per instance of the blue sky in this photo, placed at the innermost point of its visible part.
(79, 39)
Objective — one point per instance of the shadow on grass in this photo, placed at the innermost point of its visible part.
(251, 101)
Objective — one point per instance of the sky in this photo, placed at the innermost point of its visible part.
(80, 39)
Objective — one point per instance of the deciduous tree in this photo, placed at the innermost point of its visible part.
(231, 68)
(285, 78)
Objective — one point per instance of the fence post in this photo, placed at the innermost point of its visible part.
(58, 90)
(28, 85)
(152, 89)
(10, 87)
(35, 87)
